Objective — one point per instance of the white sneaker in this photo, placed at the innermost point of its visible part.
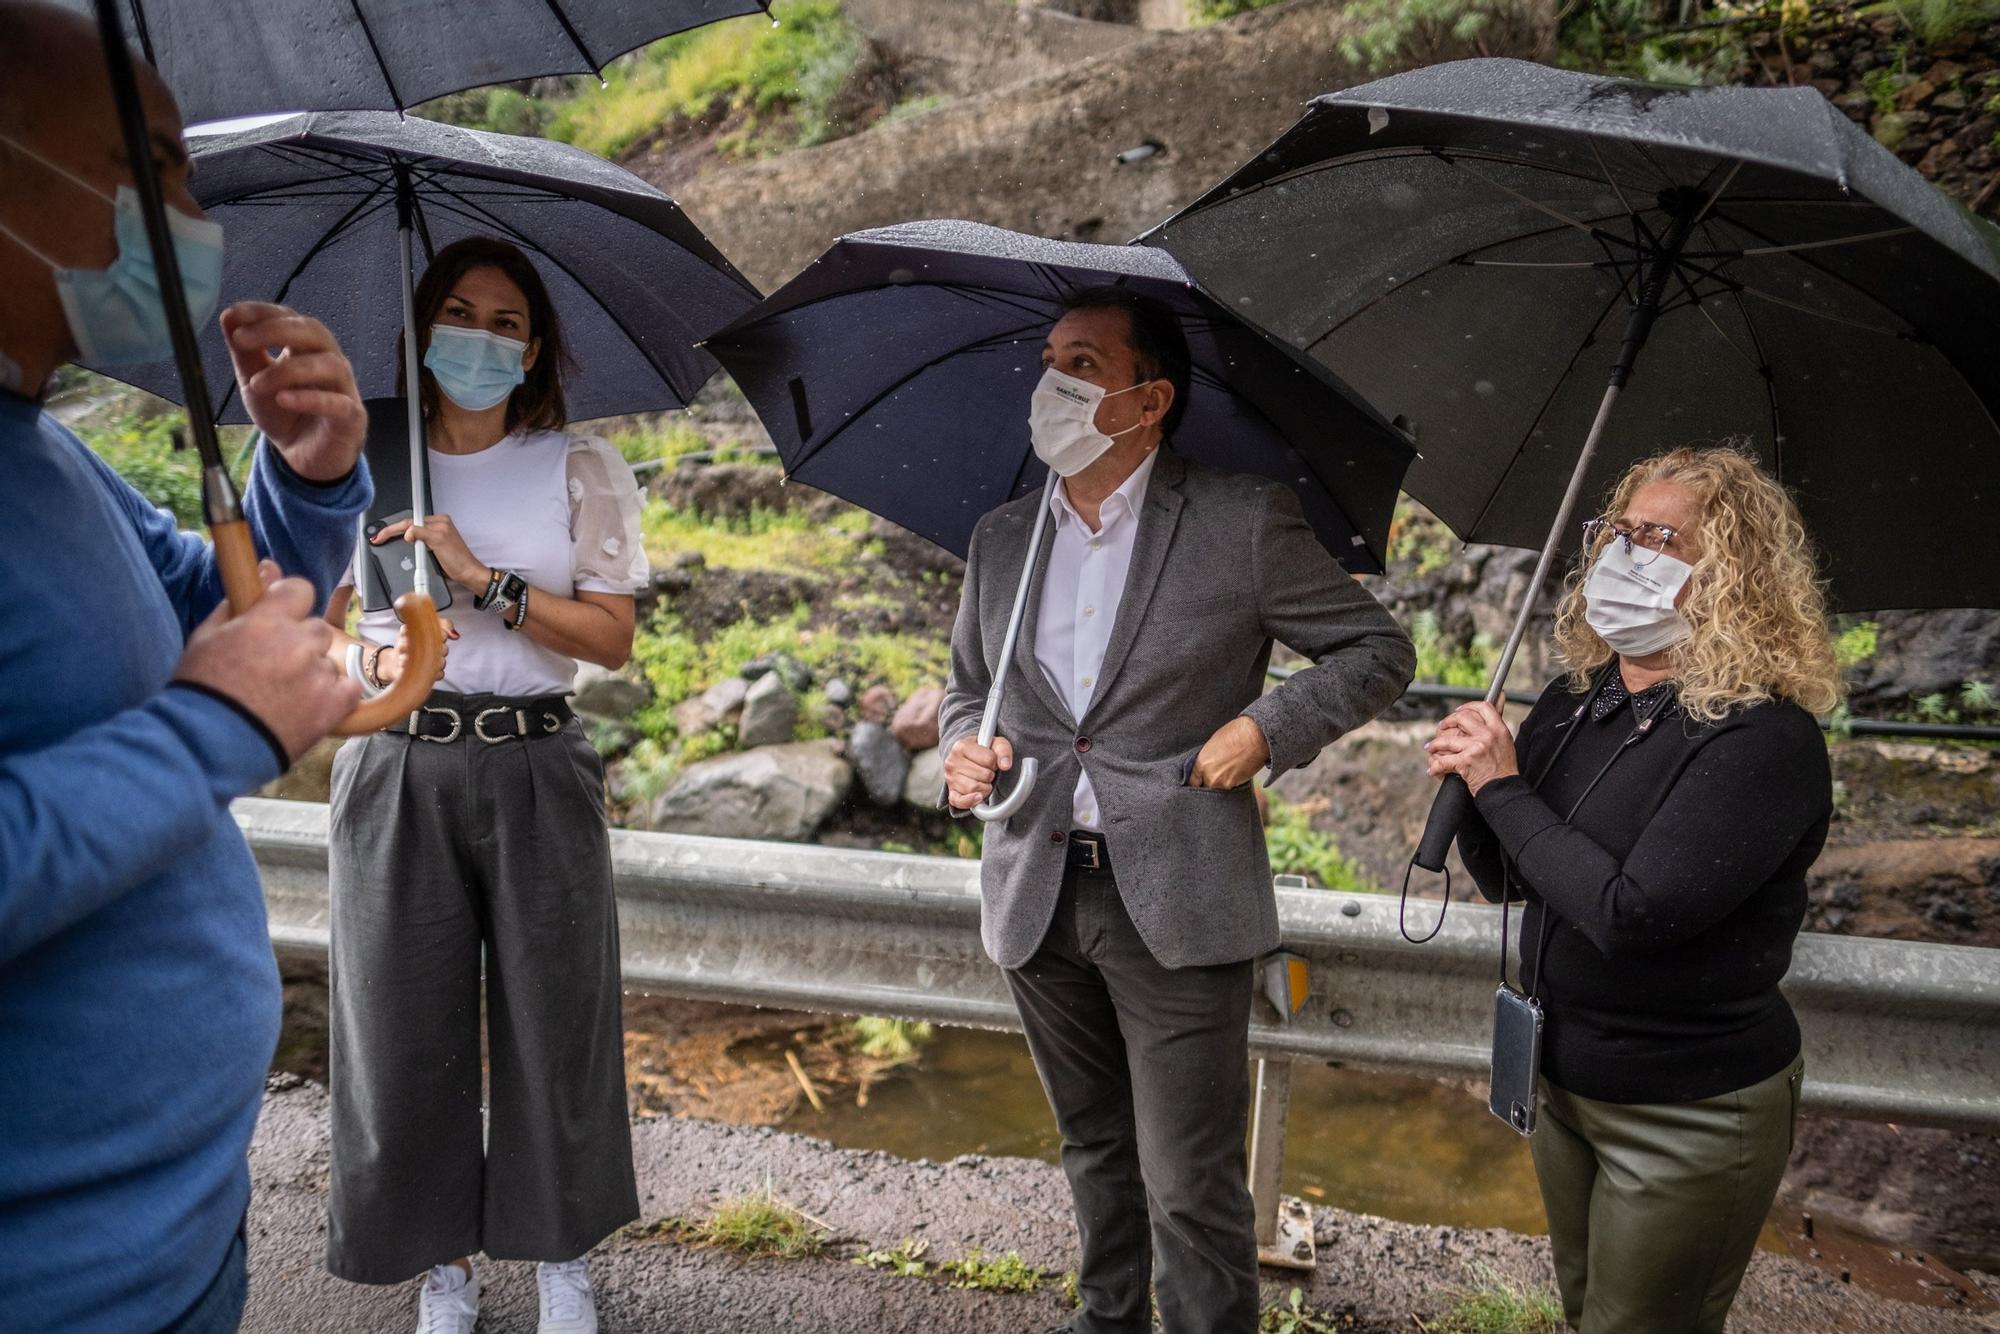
(446, 1305)
(566, 1304)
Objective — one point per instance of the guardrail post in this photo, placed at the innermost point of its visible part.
(1284, 1227)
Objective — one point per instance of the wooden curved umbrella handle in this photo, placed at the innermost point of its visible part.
(236, 558)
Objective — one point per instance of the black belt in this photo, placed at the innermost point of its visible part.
(1089, 852)
(446, 717)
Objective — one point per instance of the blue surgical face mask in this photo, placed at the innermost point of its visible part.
(116, 314)
(474, 368)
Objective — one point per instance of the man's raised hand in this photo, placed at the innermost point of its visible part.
(970, 770)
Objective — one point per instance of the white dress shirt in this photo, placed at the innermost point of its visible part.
(1080, 595)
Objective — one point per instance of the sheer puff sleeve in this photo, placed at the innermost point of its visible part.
(608, 550)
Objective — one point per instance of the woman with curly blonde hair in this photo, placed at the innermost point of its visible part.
(1658, 816)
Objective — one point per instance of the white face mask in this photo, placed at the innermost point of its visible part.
(1632, 608)
(1062, 422)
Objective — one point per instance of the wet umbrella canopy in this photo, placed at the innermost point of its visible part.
(896, 371)
(1465, 244)
(311, 206)
(1505, 252)
(250, 57)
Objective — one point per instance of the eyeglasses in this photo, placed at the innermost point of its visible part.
(1644, 542)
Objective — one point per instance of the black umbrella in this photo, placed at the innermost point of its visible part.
(1477, 244)
(896, 371)
(325, 211)
(321, 210)
(252, 57)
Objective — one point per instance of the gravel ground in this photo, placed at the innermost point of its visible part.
(1375, 1273)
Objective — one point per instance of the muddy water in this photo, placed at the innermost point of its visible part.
(1402, 1148)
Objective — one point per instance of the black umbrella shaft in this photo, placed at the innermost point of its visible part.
(219, 500)
(1652, 290)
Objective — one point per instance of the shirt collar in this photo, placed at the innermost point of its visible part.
(1131, 493)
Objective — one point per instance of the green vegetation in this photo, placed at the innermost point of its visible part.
(1973, 701)
(665, 440)
(1392, 33)
(1214, 11)
(1419, 539)
(1297, 848)
(758, 1224)
(1856, 643)
(784, 541)
(1293, 1316)
(905, 1259)
(898, 1041)
(1935, 21)
(1449, 664)
(996, 1273)
(780, 80)
(140, 449)
(1500, 1305)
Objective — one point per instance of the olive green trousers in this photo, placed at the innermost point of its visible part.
(1654, 1208)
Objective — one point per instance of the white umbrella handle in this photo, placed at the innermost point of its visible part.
(999, 808)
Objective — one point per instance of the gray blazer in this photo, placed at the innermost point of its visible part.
(1222, 565)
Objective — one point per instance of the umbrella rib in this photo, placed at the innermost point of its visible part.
(1598, 233)
(1818, 268)
(1532, 203)
(1769, 377)
(364, 207)
(1609, 178)
(388, 79)
(1776, 300)
(1831, 241)
(438, 201)
(1589, 337)
(990, 340)
(575, 39)
(1709, 203)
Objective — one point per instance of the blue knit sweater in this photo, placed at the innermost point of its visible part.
(139, 1004)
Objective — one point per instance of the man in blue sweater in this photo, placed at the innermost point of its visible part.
(139, 1004)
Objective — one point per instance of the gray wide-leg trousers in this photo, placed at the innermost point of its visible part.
(439, 854)
(1147, 1070)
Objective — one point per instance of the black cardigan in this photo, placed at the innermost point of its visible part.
(1676, 891)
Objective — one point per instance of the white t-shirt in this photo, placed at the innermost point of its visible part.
(560, 510)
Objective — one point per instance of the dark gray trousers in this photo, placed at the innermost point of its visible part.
(1147, 1070)
(439, 853)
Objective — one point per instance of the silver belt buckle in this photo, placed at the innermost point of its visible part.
(479, 725)
(457, 723)
(1096, 850)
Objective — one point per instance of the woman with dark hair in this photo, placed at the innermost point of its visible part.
(1658, 814)
(476, 832)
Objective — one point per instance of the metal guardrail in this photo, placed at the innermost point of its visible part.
(1844, 726)
(1894, 1030)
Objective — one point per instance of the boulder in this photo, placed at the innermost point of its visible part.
(878, 704)
(770, 713)
(797, 675)
(720, 703)
(880, 761)
(916, 723)
(773, 792)
(839, 693)
(925, 779)
(605, 694)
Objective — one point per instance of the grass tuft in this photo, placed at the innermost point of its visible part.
(1499, 1305)
(757, 1224)
(898, 1041)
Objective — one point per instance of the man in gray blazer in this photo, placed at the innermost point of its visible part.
(1129, 897)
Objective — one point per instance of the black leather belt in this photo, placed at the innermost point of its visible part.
(1089, 852)
(446, 717)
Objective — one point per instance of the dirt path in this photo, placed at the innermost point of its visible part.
(1374, 1272)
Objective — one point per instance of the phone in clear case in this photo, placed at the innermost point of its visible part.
(1517, 1058)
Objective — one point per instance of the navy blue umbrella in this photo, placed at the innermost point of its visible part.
(322, 211)
(896, 370)
(896, 373)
